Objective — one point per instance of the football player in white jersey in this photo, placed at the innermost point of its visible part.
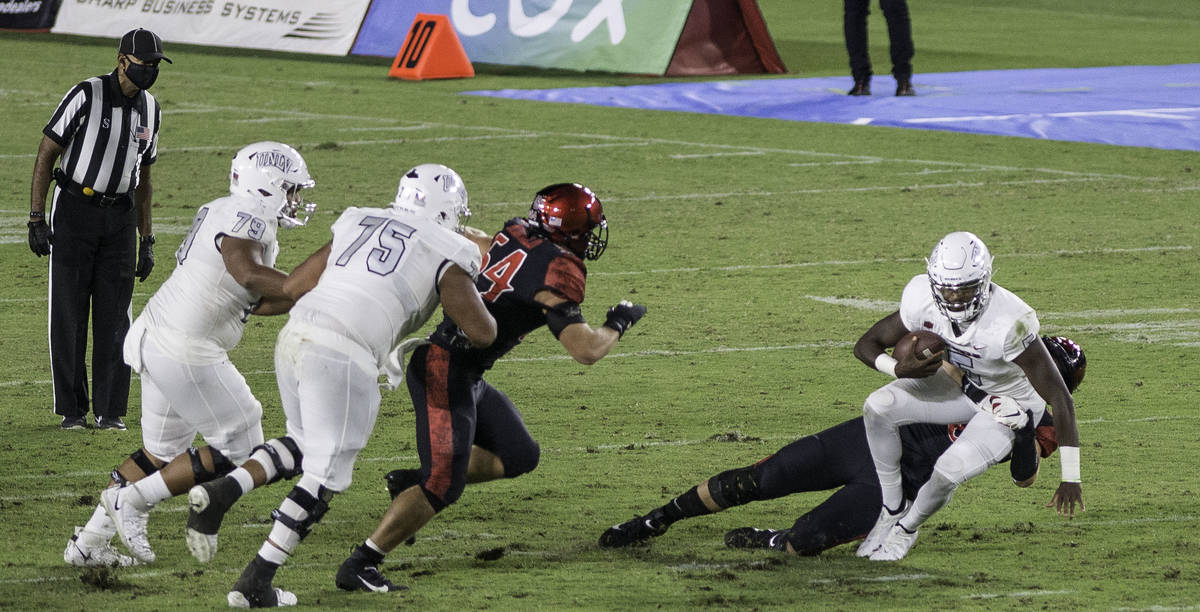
(992, 336)
(379, 279)
(224, 272)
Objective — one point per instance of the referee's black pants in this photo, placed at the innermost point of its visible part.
(91, 265)
(854, 26)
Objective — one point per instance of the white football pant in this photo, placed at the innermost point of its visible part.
(935, 399)
(329, 387)
(180, 400)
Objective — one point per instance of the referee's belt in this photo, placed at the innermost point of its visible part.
(87, 194)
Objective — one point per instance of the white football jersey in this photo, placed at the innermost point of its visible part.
(380, 283)
(199, 313)
(987, 347)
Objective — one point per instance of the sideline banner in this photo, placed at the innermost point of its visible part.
(608, 35)
(305, 26)
(27, 14)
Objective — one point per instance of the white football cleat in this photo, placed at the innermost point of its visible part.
(130, 512)
(87, 549)
(282, 598)
(880, 531)
(895, 546)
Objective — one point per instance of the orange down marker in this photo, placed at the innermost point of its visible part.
(431, 51)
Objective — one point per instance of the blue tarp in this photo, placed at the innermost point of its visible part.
(1144, 106)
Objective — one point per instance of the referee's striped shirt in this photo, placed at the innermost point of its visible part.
(105, 136)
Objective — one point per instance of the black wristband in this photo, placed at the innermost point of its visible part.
(37, 214)
(148, 238)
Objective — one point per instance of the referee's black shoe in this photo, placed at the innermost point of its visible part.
(74, 423)
(110, 423)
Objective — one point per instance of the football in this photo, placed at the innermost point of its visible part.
(923, 344)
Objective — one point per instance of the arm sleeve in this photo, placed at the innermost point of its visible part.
(566, 277)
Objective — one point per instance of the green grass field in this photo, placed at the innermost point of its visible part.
(762, 248)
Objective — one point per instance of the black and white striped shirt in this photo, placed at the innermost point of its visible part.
(105, 136)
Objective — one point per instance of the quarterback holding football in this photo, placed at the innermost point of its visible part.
(992, 336)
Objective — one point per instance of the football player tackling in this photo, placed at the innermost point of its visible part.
(992, 336)
(467, 430)
(838, 458)
(179, 343)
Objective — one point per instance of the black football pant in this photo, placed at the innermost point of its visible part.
(837, 458)
(455, 410)
(899, 26)
(91, 266)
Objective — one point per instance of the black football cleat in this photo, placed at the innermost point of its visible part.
(749, 537)
(904, 87)
(636, 530)
(207, 504)
(359, 573)
(253, 588)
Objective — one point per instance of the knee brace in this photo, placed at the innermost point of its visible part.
(221, 465)
(280, 450)
(300, 511)
(140, 459)
(734, 487)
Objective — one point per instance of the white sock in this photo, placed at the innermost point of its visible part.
(153, 489)
(375, 547)
(100, 524)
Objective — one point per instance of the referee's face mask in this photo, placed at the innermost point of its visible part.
(142, 75)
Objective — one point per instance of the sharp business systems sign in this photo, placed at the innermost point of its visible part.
(610, 35)
(308, 26)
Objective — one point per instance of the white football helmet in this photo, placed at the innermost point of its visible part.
(960, 275)
(274, 175)
(434, 192)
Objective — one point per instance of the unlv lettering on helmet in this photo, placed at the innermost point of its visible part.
(273, 159)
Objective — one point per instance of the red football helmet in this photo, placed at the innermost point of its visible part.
(572, 217)
(1069, 357)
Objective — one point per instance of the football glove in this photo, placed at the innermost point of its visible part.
(1006, 411)
(622, 316)
(39, 237)
(145, 260)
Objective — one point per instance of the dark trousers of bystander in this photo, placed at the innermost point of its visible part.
(899, 27)
(91, 267)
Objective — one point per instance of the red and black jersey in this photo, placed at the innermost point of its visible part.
(520, 263)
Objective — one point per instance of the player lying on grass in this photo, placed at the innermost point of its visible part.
(179, 343)
(838, 458)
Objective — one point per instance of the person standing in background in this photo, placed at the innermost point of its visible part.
(854, 24)
(106, 132)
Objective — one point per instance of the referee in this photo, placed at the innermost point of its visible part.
(106, 132)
